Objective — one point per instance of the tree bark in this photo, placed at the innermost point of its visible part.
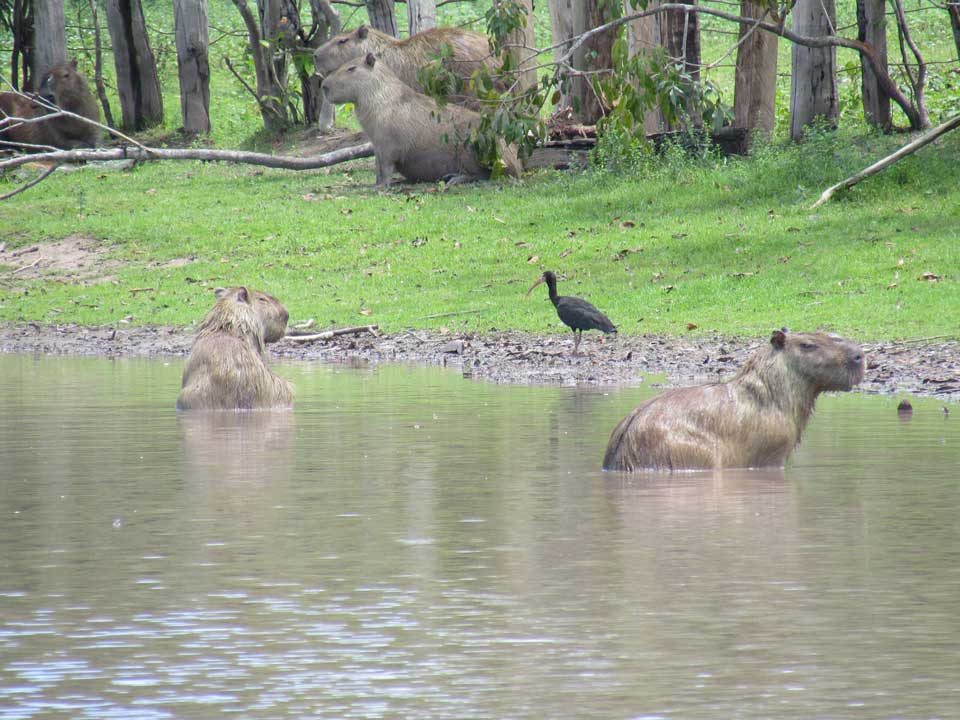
(50, 36)
(141, 104)
(98, 65)
(561, 24)
(21, 54)
(643, 38)
(326, 24)
(872, 28)
(681, 39)
(596, 53)
(269, 92)
(193, 65)
(755, 85)
(523, 55)
(422, 15)
(813, 91)
(382, 17)
(953, 7)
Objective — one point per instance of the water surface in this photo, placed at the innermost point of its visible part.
(410, 544)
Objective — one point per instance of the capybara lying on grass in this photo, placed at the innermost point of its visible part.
(409, 132)
(471, 51)
(226, 369)
(66, 88)
(754, 420)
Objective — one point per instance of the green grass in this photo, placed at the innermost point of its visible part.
(729, 246)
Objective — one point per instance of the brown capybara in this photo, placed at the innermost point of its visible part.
(409, 132)
(226, 369)
(64, 87)
(471, 51)
(271, 311)
(754, 420)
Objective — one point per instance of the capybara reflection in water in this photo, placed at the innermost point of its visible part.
(410, 133)
(754, 420)
(271, 311)
(470, 51)
(65, 88)
(227, 369)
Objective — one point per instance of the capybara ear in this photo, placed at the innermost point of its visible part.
(362, 32)
(371, 60)
(242, 295)
(219, 292)
(778, 339)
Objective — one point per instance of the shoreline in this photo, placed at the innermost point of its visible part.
(919, 368)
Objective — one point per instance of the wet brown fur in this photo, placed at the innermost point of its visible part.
(227, 369)
(271, 311)
(66, 88)
(402, 125)
(754, 420)
(471, 51)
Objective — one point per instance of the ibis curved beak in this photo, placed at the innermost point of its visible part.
(539, 280)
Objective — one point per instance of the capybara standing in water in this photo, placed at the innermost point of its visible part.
(409, 132)
(226, 369)
(271, 311)
(64, 87)
(754, 420)
(471, 51)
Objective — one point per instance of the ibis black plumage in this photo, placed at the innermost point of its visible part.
(576, 313)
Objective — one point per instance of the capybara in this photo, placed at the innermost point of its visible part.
(409, 132)
(754, 420)
(64, 87)
(226, 369)
(471, 51)
(271, 311)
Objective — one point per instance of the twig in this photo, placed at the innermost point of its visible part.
(451, 314)
(134, 291)
(886, 162)
(24, 251)
(910, 341)
(24, 267)
(27, 185)
(327, 334)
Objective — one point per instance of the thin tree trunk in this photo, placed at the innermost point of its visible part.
(325, 24)
(50, 36)
(98, 65)
(382, 17)
(813, 91)
(141, 103)
(953, 7)
(269, 94)
(872, 28)
(193, 64)
(596, 53)
(422, 15)
(644, 38)
(21, 55)
(755, 85)
(523, 55)
(681, 40)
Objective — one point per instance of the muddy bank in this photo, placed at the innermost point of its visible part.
(919, 368)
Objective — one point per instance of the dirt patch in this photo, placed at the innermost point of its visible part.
(72, 259)
(919, 368)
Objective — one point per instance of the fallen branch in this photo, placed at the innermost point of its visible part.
(27, 185)
(327, 334)
(886, 162)
(24, 267)
(451, 314)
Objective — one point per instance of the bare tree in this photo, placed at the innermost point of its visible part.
(755, 85)
(50, 36)
(193, 64)
(813, 91)
(872, 28)
(141, 103)
(382, 16)
(421, 15)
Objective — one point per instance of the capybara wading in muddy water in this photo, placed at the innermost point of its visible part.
(754, 420)
(66, 88)
(226, 369)
(271, 311)
(471, 51)
(403, 126)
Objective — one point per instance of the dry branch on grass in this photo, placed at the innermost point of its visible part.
(327, 334)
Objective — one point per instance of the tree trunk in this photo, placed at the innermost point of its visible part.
(190, 22)
(141, 103)
(21, 55)
(422, 15)
(523, 56)
(50, 36)
(270, 94)
(561, 24)
(681, 40)
(98, 65)
(382, 17)
(872, 28)
(326, 24)
(813, 91)
(644, 38)
(755, 86)
(594, 54)
(953, 7)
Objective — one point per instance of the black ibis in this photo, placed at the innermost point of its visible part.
(576, 313)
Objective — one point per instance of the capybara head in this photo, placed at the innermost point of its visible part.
(353, 80)
(272, 313)
(344, 48)
(826, 362)
(63, 85)
(234, 315)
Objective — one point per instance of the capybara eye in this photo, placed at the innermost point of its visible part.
(342, 41)
(351, 68)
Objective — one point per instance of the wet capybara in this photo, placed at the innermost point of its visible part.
(271, 311)
(64, 87)
(226, 369)
(409, 132)
(471, 51)
(754, 420)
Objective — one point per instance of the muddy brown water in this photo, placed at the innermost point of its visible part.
(412, 544)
